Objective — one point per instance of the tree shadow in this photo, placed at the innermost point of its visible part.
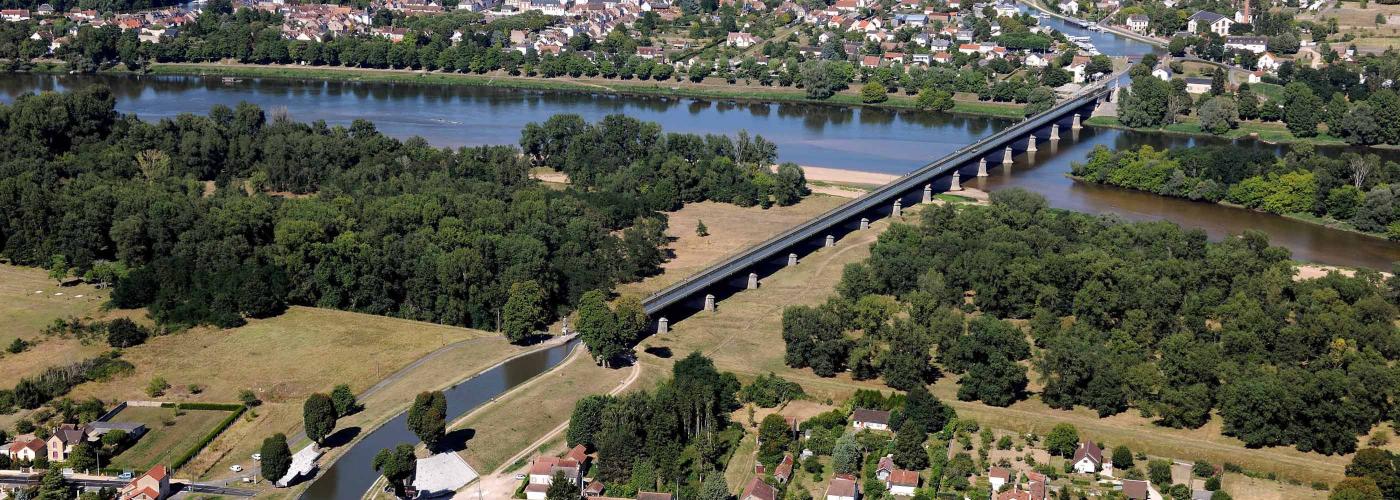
(342, 437)
(659, 351)
(456, 440)
(535, 339)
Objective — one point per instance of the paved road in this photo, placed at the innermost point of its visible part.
(117, 483)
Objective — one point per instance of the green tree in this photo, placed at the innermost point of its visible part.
(1159, 471)
(846, 456)
(276, 457)
(775, 436)
(598, 326)
(714, 488)
(318, 417)
(561, 488)
(1356, 488)
(397, 464)
(909, 451)
(873, 93)
(524, 312)
(83, 457)
(344, 399)
(53, 486)
(58, 267)
(1122, 458)
(1062, 440)
(1302, 110)
(931, 99)
(427, 418)
(700, 229)
(1219, 115)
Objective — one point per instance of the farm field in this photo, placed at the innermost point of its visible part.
(25, 313)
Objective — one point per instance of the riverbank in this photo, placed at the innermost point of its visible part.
(1269, 133)
(1309, 219)
(962, 104)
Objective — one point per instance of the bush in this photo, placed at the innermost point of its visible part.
(122, 332)
(873, 93)
(156, 387)
(18, 346)
(249, 398)
(770, 390)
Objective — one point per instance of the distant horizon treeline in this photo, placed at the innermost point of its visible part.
(211, 219)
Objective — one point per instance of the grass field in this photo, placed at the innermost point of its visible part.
(732, 228)
(25, 313)
(1272, 132)
(513, 422)
(164, 443)
(284, 359)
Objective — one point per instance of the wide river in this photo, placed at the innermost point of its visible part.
(874, 140)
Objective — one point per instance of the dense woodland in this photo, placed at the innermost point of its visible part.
(1357, 189)
(677, 435)
(1143, 316)
(210, 219)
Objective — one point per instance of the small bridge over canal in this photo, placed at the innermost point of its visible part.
(741, 271)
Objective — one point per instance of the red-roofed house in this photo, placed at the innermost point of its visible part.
(969, 48)
(870, 61)
(783, 472)
(843, 487)
(578, 454)
(758, 490)
(26, 449)
(153, 485)
(1135, 490)
(1087, 458)
(998, 476)
(542, 475)
(903, 482)
(885, 467)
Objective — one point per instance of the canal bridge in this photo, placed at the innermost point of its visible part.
(701, 291)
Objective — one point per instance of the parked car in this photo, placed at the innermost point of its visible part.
(520, 477)
(126, 476)
(257, 457)
(236, 468)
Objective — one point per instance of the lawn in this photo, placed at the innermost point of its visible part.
(284, 359)
(744, 336)
(163, 443)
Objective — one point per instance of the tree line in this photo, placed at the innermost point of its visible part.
(1351, 188)
(231, 215)
(1147, 316)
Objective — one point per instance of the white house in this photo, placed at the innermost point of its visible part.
(548, 7)
(998, 476)
(1005, 9)
(1138, 23)
(1269, 62)
(902, 482)
(1035, 61)
(878, 420)
(1255, 44)
(741, 40)
(1070, 7)
(542, 475)
(14, 15)
(1087, 458)
(1216, 23)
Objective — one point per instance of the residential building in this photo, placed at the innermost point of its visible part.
(998, 476)
(1135, 490)
(758, 490)
(902, 482)
(741, 40)
(1197, 85)
(1087, 458)
(1210, 21)
(28, 448)
(843, 487)
(884, 468)
(783, 472)
(1070, 7)
(1269, 62)
(61, 443)
(1138, 23)
(1255, 44)
(14, 15)
(878, 420)
(542, 475)
(153, 485)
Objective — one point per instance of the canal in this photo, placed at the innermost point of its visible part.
(351, 475)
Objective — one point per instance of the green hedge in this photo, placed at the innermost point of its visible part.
(205, 406)
(218, 429)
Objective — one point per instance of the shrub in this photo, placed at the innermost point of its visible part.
(122, 332)
(156, 387)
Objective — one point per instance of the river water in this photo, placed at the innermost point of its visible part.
(352, 474)
(876, 140)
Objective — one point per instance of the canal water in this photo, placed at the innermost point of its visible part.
(350, 476)
(876, 140)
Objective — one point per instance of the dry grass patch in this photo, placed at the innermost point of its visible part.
(732, 228)
(25, 314)
(282, 359)
(518, 419)
(163, 443)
